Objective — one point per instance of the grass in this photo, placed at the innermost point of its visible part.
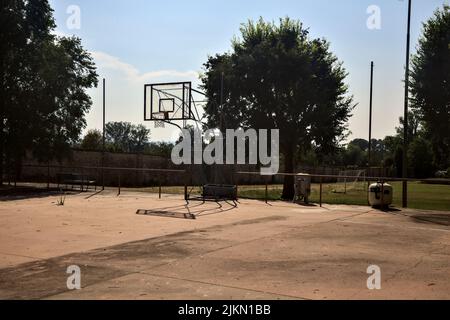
(420, 195)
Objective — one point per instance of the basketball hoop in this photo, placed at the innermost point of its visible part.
(170, 102)
(160, 118)
(159, 124)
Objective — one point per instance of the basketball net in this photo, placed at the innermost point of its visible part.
(160, 123)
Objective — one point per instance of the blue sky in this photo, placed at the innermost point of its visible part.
(144, 41)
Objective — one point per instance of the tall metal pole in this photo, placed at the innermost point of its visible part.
(370, 116)
(405, 116)
(103, 138)
(221, 102)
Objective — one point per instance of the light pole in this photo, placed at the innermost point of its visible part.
(370, 116)
(405, 116)
(103, 134)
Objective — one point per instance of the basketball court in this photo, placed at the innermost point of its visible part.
(228, 250)
(137, 245)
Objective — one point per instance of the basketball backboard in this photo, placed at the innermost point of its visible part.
(167, 101)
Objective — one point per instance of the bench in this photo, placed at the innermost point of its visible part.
(219, 192)
(74, 179)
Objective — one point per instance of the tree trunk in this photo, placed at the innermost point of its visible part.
(1, 141)
(17, 167)
(288, 184)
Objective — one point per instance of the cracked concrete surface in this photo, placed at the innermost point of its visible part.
(249, 251)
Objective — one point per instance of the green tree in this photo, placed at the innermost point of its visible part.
(354, 156)
(125, 137)
(363, 144)
(420, 156)
(162, 149)
(93, 140)
(415, 126)
(430, 83)
(378, 151)
(276, 77)
(393, 148)
(13, 40)
(117, 136)
(43, 82)
(139, 138)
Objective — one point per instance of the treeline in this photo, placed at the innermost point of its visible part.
(275, 76)
(44, 79)
(388, 153)
(124, 137)
(428, 133)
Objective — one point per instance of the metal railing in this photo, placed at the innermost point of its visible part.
(382, 180)
(185, 178)
(85, 182)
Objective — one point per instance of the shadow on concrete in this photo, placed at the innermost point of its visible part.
(190, 211)
(23, 193)
(301, 204)
(388, 209)
(442, 219)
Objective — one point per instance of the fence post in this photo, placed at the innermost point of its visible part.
(103, 174)
(405, 195)
(267, 193)
(119, 184)
(236, 184)
(159, 187)
(320, 196)
(82, 180)
(48, 175)
(186, 177)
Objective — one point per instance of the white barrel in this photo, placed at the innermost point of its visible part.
(302, 187)
(376, 198)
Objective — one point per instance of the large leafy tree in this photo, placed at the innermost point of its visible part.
(276, 77)
(415, 126)
(363, 144)
(430, 83)
(93, 140)
(420, 156)
(43, 81)
(126, 137)
(118, 135)
(162, 149)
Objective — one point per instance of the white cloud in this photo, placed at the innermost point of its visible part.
(125, 93)
(104, 60)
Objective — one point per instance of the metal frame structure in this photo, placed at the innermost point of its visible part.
(185, 103)
(161, 103)
(381, 180)
(118, 172)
